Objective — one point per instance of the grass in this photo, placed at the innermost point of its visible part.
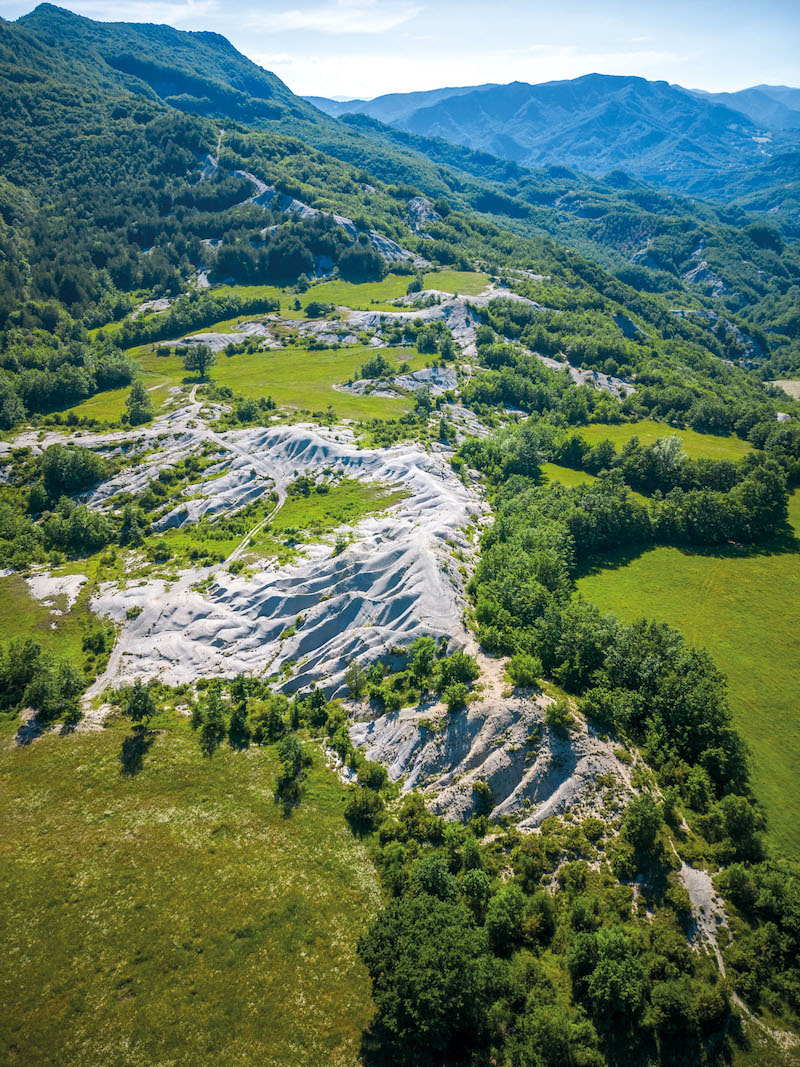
(553, 472)
(343, 505)
(110, 405)
(300, 517)
(697, 445)
(743, 607)
(57, 628)
(295, 377)
(363, 296)
(176, 915)
(790, 387)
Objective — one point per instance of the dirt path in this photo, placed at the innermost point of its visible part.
(248, 537)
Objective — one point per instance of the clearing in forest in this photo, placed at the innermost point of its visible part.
(742, 606)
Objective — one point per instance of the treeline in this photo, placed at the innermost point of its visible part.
(31, 678)
(38, 514)
(189, 313)
(473, 960)
(301, 247)
(642, 680)
(45, 369)
(660, 466)
(693, 502)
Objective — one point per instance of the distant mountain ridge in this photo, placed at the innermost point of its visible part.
(661, 133)
(774, 106)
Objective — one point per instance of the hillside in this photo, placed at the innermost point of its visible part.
(320, 444)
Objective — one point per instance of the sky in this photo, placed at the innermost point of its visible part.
(364, 48)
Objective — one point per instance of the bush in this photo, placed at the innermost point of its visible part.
(524, 670)
(365, 808)
(558, 715)
(455, 696)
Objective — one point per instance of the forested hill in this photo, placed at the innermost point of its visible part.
(105, 131)
(662, 133)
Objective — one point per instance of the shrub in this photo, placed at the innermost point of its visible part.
(524, 670)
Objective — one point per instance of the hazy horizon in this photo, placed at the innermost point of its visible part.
(360, 49)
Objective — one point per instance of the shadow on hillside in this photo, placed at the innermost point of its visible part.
(786, 542)
(134, 748)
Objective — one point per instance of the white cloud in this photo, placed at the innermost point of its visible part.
(171, 12)
(341, 16)
(366, 75)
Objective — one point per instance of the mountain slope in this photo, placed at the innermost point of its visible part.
(762, 106)
(660, 133)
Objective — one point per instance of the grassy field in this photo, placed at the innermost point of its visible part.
(56, 629)
(364, 296)
(743, 608)
(110, 405)
(175, 915)
(553, 472)
(696, 444)
(789, 386)
(295, 377)
(344, 504)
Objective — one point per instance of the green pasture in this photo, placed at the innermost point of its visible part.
(697, 445)
(743, 606)
(300, 518)
(297, 378)
(110, 405)
(361, 296)
(159, 907)
(56, 628)
(554, 472)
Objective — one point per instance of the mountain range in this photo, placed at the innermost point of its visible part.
(104, 80)
(661, 133)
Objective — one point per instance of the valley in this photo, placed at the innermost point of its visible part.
(398, 565)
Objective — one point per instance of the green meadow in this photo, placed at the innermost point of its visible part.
(362, 296)
(159, 907)
(742, 606)
(695, 444)
(296, 378)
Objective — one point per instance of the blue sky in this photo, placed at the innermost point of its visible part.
(363, 48)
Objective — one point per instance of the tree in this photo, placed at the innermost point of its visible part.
(424, 956)
(356, 679)
(54, 689)
(214, 727)
(504, 918)
(294, 762)
(365, 808)
(455, 696)
(642, 822)
(361, 263)
(423, 657)
(198, 358)
(524, 670)
(18, 663)
(430, 875)
(139, 405)
(138, 702)
(615, 984)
